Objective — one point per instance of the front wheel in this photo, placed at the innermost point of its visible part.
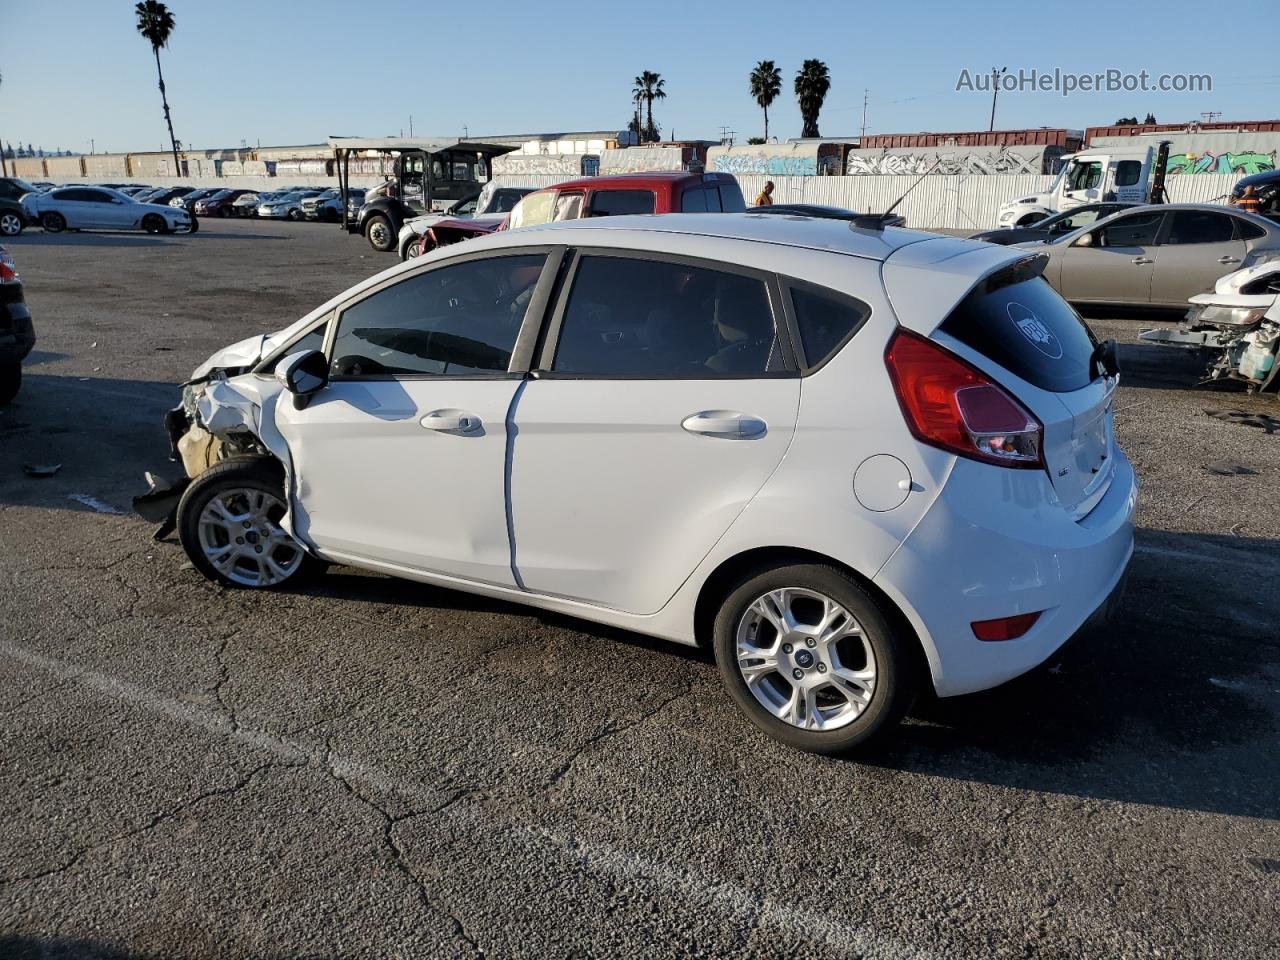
(10, 224)
(410, 249)
(195, 224)
(295, 215)
(10, 380)
(229, 524)
(381, 237)
(154, 223)
(53, 222)
(812, 659)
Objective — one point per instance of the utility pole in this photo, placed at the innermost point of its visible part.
(865, 94)
(995, 89)
(727, 135)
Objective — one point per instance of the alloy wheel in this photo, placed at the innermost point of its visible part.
(10, 224)
(241, 536)
(805, 659)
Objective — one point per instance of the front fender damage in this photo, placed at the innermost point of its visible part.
(219, 418)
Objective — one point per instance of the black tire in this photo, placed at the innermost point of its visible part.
(379, 234)
(295, 215)
(53, 222)
(195, 224)
(410, 249)
(10, 380)
(224, 212)
(247, 474)
(895, 683)
(154, 223)
(11, 223)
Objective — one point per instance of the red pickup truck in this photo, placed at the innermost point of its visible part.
(609, 196)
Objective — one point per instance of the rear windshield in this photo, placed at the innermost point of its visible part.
(1030, 331)
(731, 197)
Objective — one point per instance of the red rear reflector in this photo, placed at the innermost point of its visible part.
(1005, 628)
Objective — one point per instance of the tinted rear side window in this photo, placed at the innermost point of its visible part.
(825, 322)
(616, 203)
(1030, 331)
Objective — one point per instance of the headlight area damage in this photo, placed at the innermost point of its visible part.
(224, 413)
(1240, 323)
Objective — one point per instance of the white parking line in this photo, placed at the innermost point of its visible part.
(730, 898)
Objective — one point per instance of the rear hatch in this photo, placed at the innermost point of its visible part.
(1016, 328)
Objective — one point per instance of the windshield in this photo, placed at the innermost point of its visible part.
(23, 186)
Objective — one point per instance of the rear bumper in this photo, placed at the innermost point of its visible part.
(994, 544)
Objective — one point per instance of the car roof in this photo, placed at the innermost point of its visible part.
(816, 233)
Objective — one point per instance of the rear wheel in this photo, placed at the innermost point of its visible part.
(381, 237)
(10, 224)
(10, 380)
(154, 223)
(229, 525)
(53, 222)
(812, 659)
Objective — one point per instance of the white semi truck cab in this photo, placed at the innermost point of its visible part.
(1091, 176)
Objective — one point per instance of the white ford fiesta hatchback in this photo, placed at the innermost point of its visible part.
(851, 460)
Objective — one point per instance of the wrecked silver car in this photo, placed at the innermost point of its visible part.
(1239, 322)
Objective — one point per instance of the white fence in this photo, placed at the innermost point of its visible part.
(936, 203)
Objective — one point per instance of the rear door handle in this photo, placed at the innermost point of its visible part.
(451, 421)
(1141, 260)
(1228, 259)
(728, 424)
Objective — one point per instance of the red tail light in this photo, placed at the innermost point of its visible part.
(951, 405)
(8, 269)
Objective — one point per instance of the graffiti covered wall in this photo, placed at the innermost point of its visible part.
(953, 161)
(1242, 163)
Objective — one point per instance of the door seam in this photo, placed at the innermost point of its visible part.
(508, 461)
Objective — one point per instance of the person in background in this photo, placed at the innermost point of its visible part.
(1248, 201)
(765, 198)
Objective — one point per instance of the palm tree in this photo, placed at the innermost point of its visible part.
(649, 87)
(812, 84)
(155, 23)
(766, 84)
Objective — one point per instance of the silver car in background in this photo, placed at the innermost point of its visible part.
(101, 208)
(1157, 255)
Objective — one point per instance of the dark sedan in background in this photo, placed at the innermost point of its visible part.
(1054, 226)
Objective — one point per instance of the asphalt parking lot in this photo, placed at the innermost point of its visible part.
(374, 768)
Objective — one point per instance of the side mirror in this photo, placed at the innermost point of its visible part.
(303, 374)
(1086, 240)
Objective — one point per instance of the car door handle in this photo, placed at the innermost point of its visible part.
(1228, 259)
(451, 421)
(1142, 260)
(727, 424)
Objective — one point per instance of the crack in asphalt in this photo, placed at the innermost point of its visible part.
(151, 824)
(224, 674)
(398, 856)
(609, 730)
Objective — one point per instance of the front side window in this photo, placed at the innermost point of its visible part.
(1084, 176)
(454, 320)
(534, 209)
(655, 319)
(1139, 230)
(568, 206)
(617, 203)
(1199, 226)
(1128, 172)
